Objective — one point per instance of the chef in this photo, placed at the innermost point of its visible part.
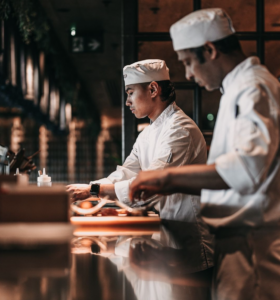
(172, 139)
(240, 185)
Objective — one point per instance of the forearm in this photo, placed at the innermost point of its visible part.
(192, 179)
(107, 190)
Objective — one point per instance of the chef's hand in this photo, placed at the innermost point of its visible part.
(146, 255)
(149, 183)
(78, 191)
(146, 258)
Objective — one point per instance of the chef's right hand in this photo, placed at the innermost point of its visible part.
(78, 191)
(148, 184)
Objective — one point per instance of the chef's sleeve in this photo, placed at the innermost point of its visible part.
(121, 177)
(126, 173)
(174, 149)
(255, 139)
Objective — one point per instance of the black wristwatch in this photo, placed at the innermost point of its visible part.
(94, 189)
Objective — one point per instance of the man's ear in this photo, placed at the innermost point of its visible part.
(211, 50)
(154, 89)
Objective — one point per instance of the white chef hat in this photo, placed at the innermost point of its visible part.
(146, 71)
(199, 27)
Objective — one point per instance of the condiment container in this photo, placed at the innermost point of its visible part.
(44, 179)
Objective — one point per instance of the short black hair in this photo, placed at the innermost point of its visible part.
(226, 45)
(168, 92)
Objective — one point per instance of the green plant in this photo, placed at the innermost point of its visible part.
(5, 9)
(30, 17)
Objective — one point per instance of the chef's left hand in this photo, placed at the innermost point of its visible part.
(78, 191)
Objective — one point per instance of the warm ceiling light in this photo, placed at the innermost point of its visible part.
(45, 96)
(29, 79)
(13, 61)
(68, 113)
(54, 103)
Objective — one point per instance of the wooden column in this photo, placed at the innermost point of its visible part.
(129, 55)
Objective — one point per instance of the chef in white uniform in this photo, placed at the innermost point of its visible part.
(171, 140)
(241, 182)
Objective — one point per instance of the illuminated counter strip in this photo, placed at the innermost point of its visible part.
(115, 220)
(82, 231)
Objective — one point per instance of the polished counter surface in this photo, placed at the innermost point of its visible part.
(56, 261)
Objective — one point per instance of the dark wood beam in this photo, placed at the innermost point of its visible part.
(129, 55)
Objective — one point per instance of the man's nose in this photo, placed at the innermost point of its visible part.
(189, 74)
(127, 102)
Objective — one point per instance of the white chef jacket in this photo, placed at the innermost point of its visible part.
(245, 150)
(172, 140)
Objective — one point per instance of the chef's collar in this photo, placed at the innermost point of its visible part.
(165, 114)
(244, 65)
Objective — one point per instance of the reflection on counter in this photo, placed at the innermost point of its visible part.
(163, 264)
(35, 261)
(117, 263)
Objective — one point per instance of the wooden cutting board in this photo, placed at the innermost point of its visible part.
(114, 220)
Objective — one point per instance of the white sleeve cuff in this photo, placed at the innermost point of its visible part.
(233, 171)
(122, 189)
(102, 181)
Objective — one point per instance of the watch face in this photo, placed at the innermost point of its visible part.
(94, 190)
